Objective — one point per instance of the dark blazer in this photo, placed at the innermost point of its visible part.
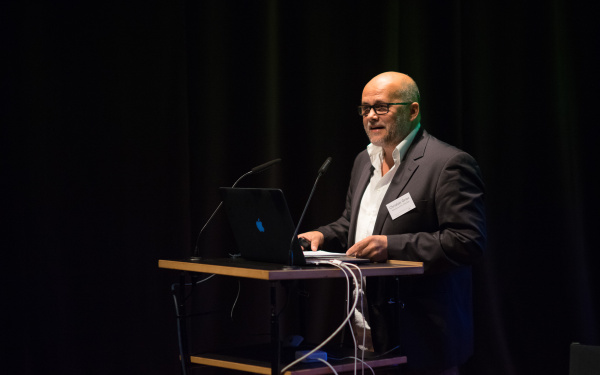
(446, 231)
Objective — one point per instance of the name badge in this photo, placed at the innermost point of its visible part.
(400, 206)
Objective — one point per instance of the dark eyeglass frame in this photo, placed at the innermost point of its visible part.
(379, 108)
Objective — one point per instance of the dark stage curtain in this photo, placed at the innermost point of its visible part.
(121, 119)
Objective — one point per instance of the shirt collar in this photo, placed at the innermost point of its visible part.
(376, 152)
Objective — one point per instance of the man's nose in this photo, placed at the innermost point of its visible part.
(372, 113)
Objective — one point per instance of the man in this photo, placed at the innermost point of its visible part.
(412, 197)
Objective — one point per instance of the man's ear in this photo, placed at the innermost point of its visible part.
(414, 111)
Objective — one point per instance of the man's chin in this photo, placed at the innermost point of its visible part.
(376, 140)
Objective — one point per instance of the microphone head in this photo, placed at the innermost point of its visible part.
(325, 166)
(264, 166)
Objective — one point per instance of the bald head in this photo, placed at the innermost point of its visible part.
(399, 85)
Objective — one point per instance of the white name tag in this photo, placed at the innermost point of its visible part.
(400, 206)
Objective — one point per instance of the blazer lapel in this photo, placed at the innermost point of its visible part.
(408, 167)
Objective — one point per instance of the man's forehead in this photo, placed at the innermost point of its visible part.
(374, 102)
(376, 95)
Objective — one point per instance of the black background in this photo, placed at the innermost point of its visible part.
(121, 119)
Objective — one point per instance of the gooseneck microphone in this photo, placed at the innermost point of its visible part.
(259, 168)
(322, 171)
(196, 257)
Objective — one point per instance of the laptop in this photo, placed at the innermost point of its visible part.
(263, 228)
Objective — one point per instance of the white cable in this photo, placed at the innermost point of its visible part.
(329, 365)
(347, 266)
(203, 280)
(355, 358)
(364, 324)
(337, 264)
(366, 364)
(357, 289)
(346, 270)
(206, 279)
(236, 298)
(210, 277)
(349, 311)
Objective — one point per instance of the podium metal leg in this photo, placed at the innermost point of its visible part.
(182, 322)
(275, 345)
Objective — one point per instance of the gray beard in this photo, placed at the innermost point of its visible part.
(397, 134)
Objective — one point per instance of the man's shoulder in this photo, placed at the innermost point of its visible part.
(429, 146)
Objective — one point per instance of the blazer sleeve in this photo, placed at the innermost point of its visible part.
(449, 230)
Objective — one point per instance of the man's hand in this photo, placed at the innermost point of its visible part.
(316, 239)
(372, 247)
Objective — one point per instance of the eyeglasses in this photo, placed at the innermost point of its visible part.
(379, 108)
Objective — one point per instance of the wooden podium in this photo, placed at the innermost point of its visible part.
(275, 273)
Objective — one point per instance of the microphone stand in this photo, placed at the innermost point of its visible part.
(322, 171)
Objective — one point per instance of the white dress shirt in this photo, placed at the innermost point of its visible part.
(373, 196)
